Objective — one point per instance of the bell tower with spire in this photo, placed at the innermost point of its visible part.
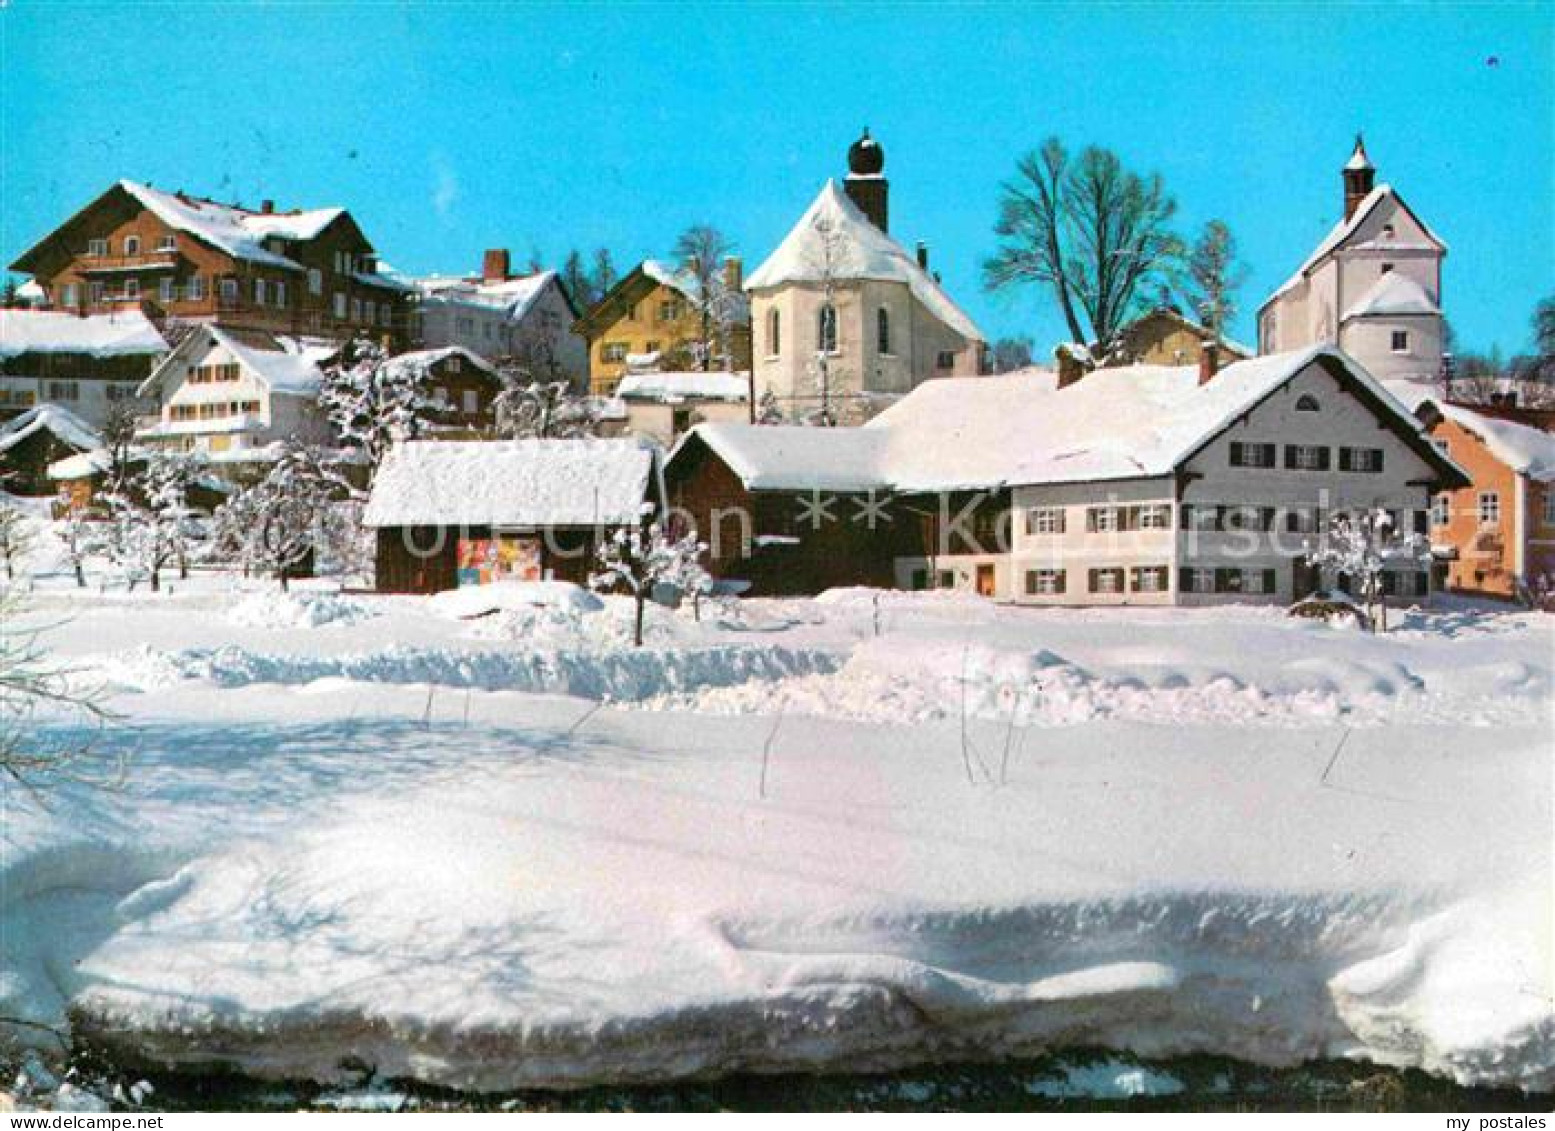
(1359, 177)
(865, 184)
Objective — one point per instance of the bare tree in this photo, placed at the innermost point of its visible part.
(826, 261)
(1215, 274)
(1094, 232)
(701, 251)
(16, 538)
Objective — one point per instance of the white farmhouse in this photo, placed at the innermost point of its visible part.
(1373, 286)
(844, 318)
(233, 394)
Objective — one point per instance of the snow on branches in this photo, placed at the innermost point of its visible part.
(374, 400)
(526, 409)
(297, 510)
(151, 524)
(641, 558)
(1360, 547)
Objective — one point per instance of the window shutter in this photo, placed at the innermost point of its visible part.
(1237, 455)
(1222, 581)
(1185, 516)
(1389, 583)
(1133, 578)
(1376, 459)
(1269, 582)
(1268, 455)
(1266, 518)
(1062, 574)
(1290, 457)
(1093, 576)
(1184, 580)
(1345, 459)
(1323, 458)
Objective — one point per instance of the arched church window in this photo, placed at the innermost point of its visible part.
(826, 329)
(1307, 403)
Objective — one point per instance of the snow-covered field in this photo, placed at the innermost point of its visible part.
(513, 850)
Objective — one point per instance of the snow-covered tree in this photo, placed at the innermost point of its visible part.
(1010, 354)
(151, 524)
(701, 251)
(638, 558)
(16, 538)
(375, 400)
(279, 523)
(768, 410)
(1215, 274)
(78, 534)
(826, 263)
(528, 409)
(1361, 546)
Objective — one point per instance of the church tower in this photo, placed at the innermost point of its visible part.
(1359, 177)
(866, 185)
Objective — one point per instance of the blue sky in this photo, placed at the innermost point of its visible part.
(447, 128)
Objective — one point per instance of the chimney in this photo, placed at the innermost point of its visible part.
(923, 256)
(734, 273)
(494, 266)
(1359, 176)
(267, 206)
(1209, 361)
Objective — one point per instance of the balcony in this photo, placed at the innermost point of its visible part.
(124, 264)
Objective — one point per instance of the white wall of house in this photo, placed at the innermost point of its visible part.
(917, 341)
(483, 328)
(89, 397)
(658, 420)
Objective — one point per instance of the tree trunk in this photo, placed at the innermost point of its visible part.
(156, 580)
(80, 577)
(642, 604)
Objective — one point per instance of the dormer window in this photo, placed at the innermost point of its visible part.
(1307, 403)
(131, 245)
(168, 242)
(97, 249)
(1387, 268)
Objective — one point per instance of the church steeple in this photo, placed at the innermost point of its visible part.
(865, 184)
(1359, 177)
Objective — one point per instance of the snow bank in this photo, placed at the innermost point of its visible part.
(506, 596)
(293, 610)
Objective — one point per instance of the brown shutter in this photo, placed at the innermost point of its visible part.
(1346, 459)
(1270, 582)
(1238, 455)
(1323, 455)
(1062, 575)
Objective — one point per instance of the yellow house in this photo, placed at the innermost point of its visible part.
(651, 320)
(1165, 336)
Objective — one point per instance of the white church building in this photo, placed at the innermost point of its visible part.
(1372, 287)
(844, 318)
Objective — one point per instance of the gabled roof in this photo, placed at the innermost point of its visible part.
(1525, 449)
(1344, 229)
(237, 231)
(431, 357)
(65, 425)
(833, 238)
(515, 483)
(514, 297)
(98, 335)
(1392, 294)
(987, 433)
(285, 366)
(1173, 315)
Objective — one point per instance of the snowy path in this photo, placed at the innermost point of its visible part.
(506, 888)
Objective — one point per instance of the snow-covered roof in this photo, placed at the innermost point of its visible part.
(236, 231)
(672, 387)
(285, 365)
(64, 424)
(683, 280)
(519, 483)
(1522, 447)
(100, 335)
(1392, 294)
(833, 237)
(31, 291)
(425, 359)
(514, 297)
(980, 433)
(1344, 229)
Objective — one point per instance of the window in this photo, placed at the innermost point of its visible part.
(1387, 231)
(1441, 509)
(1306, 457)
(1251, 455)
(356, 310)
(168, 242)
(472, 401)
(1404, 583)
(652, 347)
(370, 315)
(918, 580)
(1102, 520)
(259, 292)
(131, 245)
(1400, 341)
(1045, 520)
(69, 294)
(165, 290)
(340, 306)
(98, 291)
(315, 281)
(229, 290)
(97, 249)
(1200, 517)
(455, 364)
(826, 329)
(383, 314)
(131, 288)
(774, 334)
(440, 396)
(1387, 268)
(669, 311)
(947, 579)
(1107, 580)
(1258, 581)
(1307, 403)
(883, 331)
(1154, 516)
(1246, 518)
(1360, 459)
(116, 393)
(1549, 506)
(464, 325)
(64, 391)
(280, 293)
(195, 291)
(946, 359)
(1148, 579)
(1489, 508)
(1044, 582)
(613, 351)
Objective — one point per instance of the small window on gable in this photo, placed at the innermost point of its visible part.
(1400, 341)
(131, 245)
(1307, 403)
(1387, 231)
(1387, 268)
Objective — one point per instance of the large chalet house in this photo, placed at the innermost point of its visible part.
(1495, 536)
(845, 319)
(1146, 485)
(86, 365)
(233, 395)
(173, 255)
(497, 314)
(651, 320)
(1372, 286)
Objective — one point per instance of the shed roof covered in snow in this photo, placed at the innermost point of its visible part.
(669, 388)
(65, 425)
(981, 433)
(98, 335)
(515, 483)
(833, 238)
